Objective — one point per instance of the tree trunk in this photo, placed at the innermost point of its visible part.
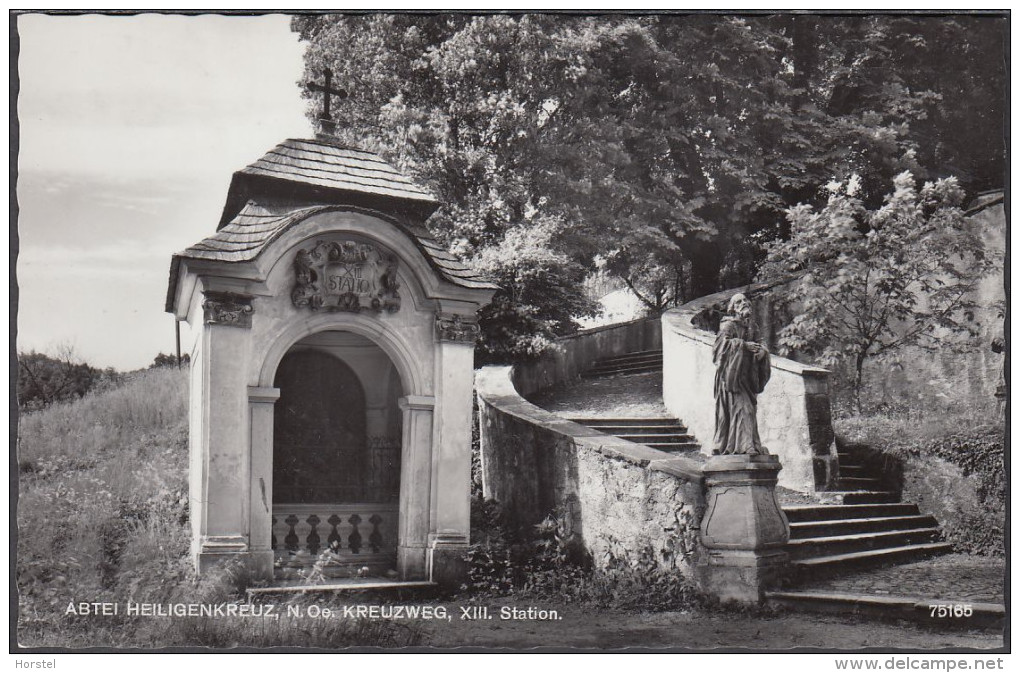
(706, 260)
(858, 381)
(805, 54)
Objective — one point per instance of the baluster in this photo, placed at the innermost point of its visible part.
(354, 539)
(292, 541)
(313, 536)
(375, 539)
(272, 532)
(333, 540)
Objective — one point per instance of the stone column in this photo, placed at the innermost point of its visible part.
(223, 441)
(415, 486)
(261, 403)
(451, 498)
(744, 531)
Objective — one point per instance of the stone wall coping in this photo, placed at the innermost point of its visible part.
(494, 384)
(606, 328)
(681, 320)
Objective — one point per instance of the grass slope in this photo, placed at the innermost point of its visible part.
(103, 517)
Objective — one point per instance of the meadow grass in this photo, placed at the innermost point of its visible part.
(103, 517)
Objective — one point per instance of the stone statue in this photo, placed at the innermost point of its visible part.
(742, 370)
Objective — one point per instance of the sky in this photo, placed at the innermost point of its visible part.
(130, 129)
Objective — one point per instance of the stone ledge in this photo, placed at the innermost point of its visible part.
(494, 385)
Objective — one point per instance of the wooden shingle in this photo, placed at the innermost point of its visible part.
(301, 178)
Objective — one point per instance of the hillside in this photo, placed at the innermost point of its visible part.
(102, 511)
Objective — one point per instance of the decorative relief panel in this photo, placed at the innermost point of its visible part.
(346, 276)
(227, 308)
(456, 328)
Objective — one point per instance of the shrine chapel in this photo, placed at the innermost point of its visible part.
(331, 344)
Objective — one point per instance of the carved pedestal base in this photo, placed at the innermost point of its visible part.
(744, 530)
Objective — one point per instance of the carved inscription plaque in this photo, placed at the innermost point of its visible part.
(346, 276)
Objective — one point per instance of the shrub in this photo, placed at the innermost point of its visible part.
(552, 564)
(44, 380)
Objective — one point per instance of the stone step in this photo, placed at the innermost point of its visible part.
(809, 529)
(628, 422)
(852, 470)
(859, 542)
(798, 513)
(645, 437)
(627, 362)
(620, 430)
(983, 615)
(373, 585)
(636, 369)
(861, 497)
(860, 559)
(674, 447)
(634, 355)
(858, 483)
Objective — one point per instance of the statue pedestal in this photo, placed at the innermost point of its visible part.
(744, 531)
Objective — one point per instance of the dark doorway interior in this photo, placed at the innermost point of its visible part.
(320, 442)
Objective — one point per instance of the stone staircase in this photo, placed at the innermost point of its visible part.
(860, 523)
(859, 527)
(865, 525)
(638, 362)
(664, 434)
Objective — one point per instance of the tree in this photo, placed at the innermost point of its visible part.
(875, 280)
(666, 148)
(44, 379)
(168, 360)
(539, 296)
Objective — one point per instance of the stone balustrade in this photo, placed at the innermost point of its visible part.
(356, 534)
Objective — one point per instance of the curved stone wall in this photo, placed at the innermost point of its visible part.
(620, 498)
(794, 415)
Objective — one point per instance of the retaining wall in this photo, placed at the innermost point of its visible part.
(620, 498)
(578, 352)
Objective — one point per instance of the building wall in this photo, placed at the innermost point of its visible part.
(965, 371)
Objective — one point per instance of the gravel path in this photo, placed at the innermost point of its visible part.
(954, 578)
(617, 396)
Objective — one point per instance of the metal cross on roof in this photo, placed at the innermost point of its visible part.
(326, 123)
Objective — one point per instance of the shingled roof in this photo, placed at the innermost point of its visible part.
(301, 178)
(324, 171)
(257, 225)
(322, 163)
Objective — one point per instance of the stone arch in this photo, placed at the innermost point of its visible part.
(411, 375)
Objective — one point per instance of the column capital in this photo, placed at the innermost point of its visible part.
(456, 328)
(423, 402)
(227, 308)
(263, 395)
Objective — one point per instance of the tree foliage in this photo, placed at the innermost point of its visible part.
(45, 379)
(169, 360)
(663, 149)
(875, 280)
